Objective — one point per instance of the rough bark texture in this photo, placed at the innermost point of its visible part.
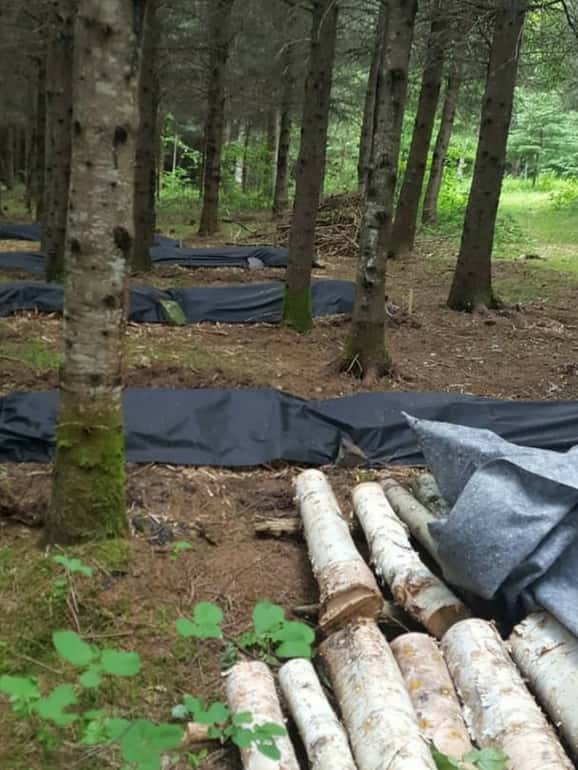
(348, 590)
(250, 688)
(147, 142)
(310, 166)
(430, 201)
(423, 595)
(322, 733)
(432, 693)
(366, 136)
(39, 142)
(88, 497)
(374, 702)
(406, 214)
(281, 194)
(365, 353)
(219, 43)
(499, 710)
(547, 655)
(472, 283)
(59, 65)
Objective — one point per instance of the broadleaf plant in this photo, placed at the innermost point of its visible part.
(490, 758)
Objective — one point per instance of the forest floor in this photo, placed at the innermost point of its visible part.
(528, 350)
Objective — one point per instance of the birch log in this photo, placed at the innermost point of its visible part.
(427, 492)
(347, 587)
(322, 733)
(415, 515)
(498, 707)
(375, 704)
(412, 584)
(250, 687)
(547, 654)
(432, 693)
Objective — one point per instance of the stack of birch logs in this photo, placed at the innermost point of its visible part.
(456, 686)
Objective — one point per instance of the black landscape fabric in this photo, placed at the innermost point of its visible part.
(243, 428)
(33, 232)
(246, 303)
(513, 526)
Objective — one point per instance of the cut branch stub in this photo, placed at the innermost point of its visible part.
(348, 589)
(499, 710)
(432, 693)
(323, 735)
(375, 704)
(412, 584)
(547, 655)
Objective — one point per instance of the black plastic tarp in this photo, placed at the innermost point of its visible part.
(237, 428)
(245, 303)
(33, 232)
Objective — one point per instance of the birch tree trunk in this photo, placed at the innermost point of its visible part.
(365, 352)
(250, 688)
(430, 201)
(374, 702)
(88, 495)
(310, 166)
(547, 655)
(220, 12)
(59, 66)
(147, 143)
(348, 590)
(412, 585)
(322, 733)
(432, 693)
(366, 136)
(406, 214)
(472, 282)
(499, 710)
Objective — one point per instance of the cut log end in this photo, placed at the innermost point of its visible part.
(348, 596)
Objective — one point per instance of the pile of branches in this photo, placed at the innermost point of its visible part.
(337, 231)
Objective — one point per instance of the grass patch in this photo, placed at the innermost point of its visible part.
(37, 353)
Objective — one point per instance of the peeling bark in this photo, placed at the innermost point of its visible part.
(88, 495)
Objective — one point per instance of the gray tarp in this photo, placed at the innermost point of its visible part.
(513, 526)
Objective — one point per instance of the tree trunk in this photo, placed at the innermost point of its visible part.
(499, 710)
(432, 693)
(430, 202)
(146, 146)
(59, 64)
(310, 166)
(281, 194)
(406, 214)
(347, 588)
(365, 353)
(250, 689)
(270, 147)
(219, 43)
(246, 173)
(472, 283)
(374, 702)
(322, 733)
(40, 142)
(88, 495)
(547, 655)
(366, 136)
(423, 595)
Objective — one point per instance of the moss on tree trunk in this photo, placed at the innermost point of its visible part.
(297, 313)
(88, 502)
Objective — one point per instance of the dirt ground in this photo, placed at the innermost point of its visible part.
(529, 351)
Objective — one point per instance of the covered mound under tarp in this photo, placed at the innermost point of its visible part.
(513, 526)
(242, 428)
(32, 231)
(245, 303)
(247, 257)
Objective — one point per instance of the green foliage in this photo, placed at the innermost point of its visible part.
(73, 566)
(276, 637)
(236, 728)
(207, 622)
(78, 653)
(483, 759)
(179, 547)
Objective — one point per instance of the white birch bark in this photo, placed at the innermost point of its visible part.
(375, 704)
(547, 654)
(415, 515)
(427, 492)
(323, 735)
(412, 584)
(250, 687)
(348, 590)
(432, 693)
(498, 707)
